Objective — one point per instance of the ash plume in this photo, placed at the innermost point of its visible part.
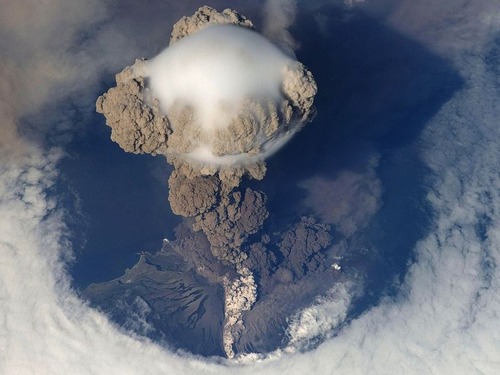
(216, 103)
(211, 109)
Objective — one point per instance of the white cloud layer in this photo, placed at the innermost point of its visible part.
(320, 320)
(443, 321)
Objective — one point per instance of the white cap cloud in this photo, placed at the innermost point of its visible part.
(215, 69)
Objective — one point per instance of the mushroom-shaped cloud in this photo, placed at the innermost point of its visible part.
(220, 99)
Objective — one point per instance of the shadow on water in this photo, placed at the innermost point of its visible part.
(377, 90)
(123, 200)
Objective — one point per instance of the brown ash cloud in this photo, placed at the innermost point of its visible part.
(216, 103)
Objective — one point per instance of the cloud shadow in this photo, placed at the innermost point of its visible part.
(377, 91)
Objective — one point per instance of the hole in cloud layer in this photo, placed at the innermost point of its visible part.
(383, 98)
(282, 256)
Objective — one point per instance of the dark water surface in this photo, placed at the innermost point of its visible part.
(377, 91)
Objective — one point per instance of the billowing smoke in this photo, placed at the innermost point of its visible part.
(217, 102)
(223, 98)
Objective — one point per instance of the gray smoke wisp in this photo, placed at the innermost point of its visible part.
(279, 15)
(216, 103)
